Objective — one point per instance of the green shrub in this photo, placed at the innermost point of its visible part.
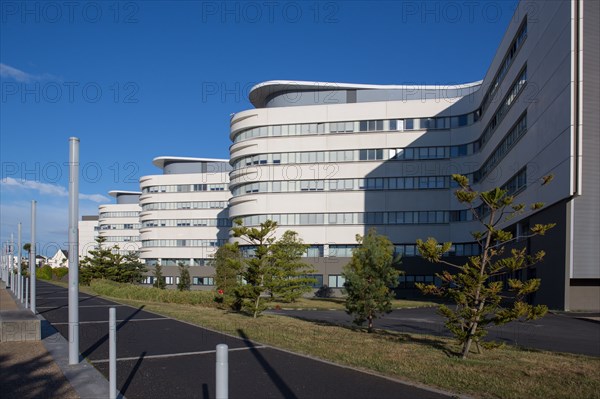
(151, 294)
(44, 273)
(60, 272)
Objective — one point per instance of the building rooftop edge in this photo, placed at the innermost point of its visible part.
(159, 162)
(115, 193)
(259, 92)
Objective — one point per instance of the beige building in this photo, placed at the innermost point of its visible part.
(330, 160)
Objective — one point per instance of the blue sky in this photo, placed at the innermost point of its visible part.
(137, 80)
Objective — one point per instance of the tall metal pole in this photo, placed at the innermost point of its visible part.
(32, 256)
(3, 261)
(73, 250)
(19, 243)
(112, 353)
(26, 292)
(11, 262)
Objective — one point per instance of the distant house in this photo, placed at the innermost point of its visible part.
(40, 260)
(60, 259)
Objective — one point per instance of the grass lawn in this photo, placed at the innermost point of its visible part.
(338, 304)
(506, 372)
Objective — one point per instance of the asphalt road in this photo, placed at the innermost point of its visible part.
(554, 332)
(158, 357)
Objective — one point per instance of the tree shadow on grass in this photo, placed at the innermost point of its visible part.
(394, 336)
(447, 348)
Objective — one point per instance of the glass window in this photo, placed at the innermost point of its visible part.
(336, 281)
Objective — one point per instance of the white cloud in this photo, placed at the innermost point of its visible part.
(99, 198)
(48, 189)
(51, 225)
(8, 72)
(43, 188)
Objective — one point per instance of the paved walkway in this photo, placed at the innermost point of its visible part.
(159, 357)
(28, 371)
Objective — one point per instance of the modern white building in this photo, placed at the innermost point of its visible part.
(330, 160)
(88, 231)
(119, 222)
(184, 217)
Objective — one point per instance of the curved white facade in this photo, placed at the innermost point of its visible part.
(330, 160)
(184, 215)
(119, 222)
(88, 231)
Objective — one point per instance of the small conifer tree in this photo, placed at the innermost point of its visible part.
(159, 279)
(475, 288)
(370, 277)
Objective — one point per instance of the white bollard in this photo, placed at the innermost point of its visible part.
(112, 353)
(222, 369)
(27, 293)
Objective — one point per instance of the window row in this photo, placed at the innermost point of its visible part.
(514, 91)
(404, 250)
(372, 183)
(314, 251)
(124, 226)
(408, 281)
(173, 280)
(184, 188)
(177, 261)
(408, 250)
(183, 243)
(219, 222)
(119, 214)
(377, 125)
(507, 143)
(369, 218)
(160, 206)
(517, 182)
(121, 238)
(371, 154)
(505, 66)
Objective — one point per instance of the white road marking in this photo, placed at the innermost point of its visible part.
(176, 354)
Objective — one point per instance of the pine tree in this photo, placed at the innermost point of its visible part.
(132, 269)
(159, 279)
(257, 270)
(185, 282)
(109, 264)
(95, 265)
(476, 288)
(228, 275)
(370, 277)
(275, 267)
(289, 276)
